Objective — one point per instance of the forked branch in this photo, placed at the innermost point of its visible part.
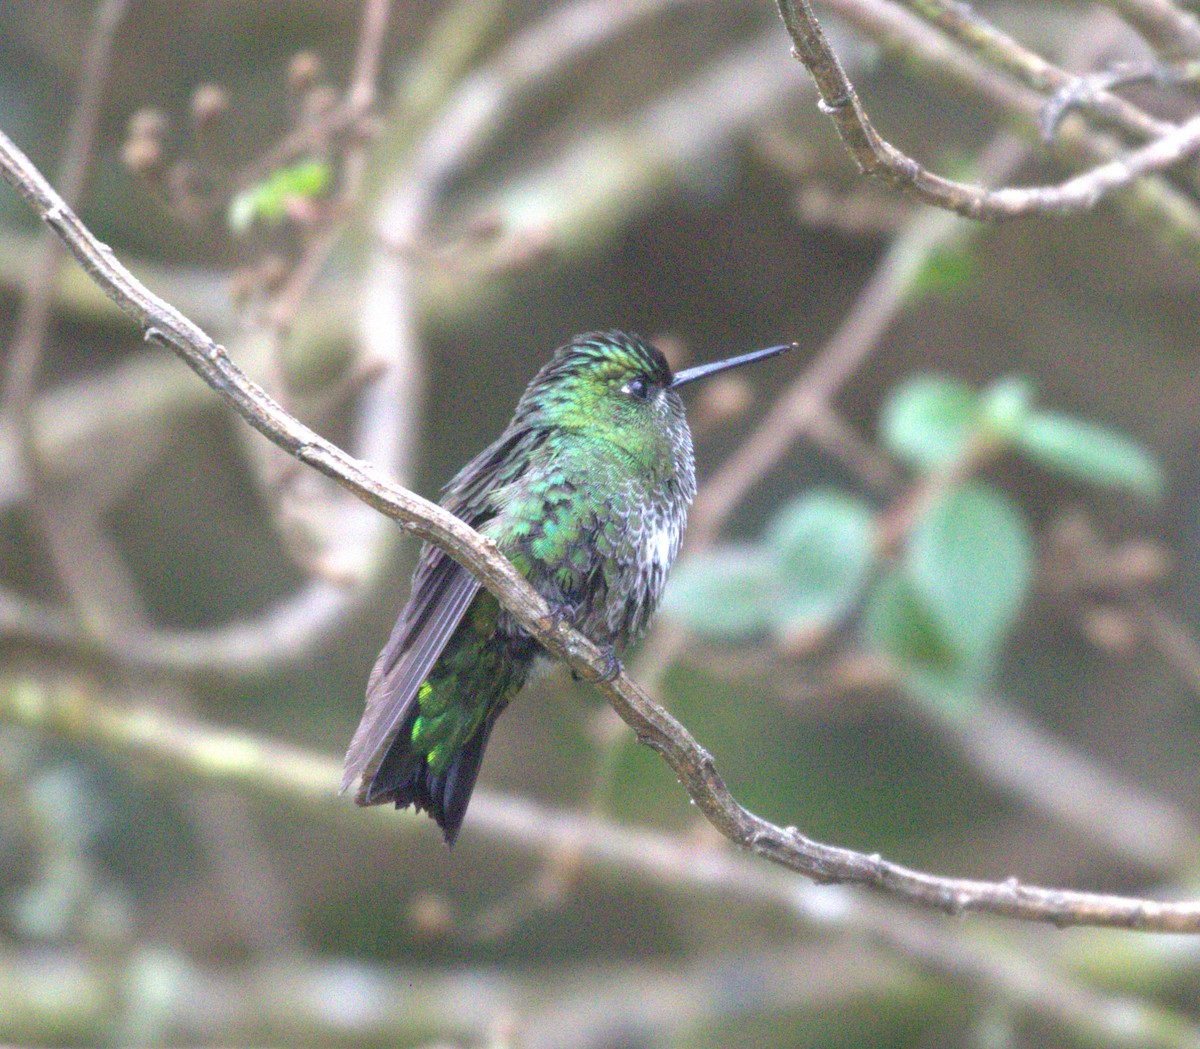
(877, 157)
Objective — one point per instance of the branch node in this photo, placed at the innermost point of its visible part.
(157, 337)
(956, 902)
(55, 217)
(831, 107)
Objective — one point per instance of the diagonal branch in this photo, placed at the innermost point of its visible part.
(165, 326)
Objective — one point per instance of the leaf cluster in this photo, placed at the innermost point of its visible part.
(935, 582)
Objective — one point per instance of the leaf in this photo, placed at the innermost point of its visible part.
(731, 592)
(945, 270)
(1005, 405)
(970, 560)
(929, 420)
(898, 623)
(824, 542)
(269, 200)
(1090, 453)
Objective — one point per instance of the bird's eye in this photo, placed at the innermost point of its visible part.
(637, 387)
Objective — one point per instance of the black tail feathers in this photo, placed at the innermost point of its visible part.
(405, 778)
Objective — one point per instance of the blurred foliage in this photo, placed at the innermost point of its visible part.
(993, 554)
(947, 593)
(808, 571)
(271, 200)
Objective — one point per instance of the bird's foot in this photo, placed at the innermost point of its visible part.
(561, 612)
(566, 612)
(612, 668)
(612, 665)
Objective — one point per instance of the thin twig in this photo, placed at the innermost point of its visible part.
(165, 326)
(61, 526)
(34, 313)
(355, 105)
(98, 589)
(965, 24)
(1152, 204)
(877, 157)
(1167, 28)
(1085, 191)
(841, 357)
(364, 79)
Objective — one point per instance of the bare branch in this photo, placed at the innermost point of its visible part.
(23, 363)
(877, 157)
(1169, 29)
(964, 24)
(1154, 205)
(1085, 191)
(163, 325)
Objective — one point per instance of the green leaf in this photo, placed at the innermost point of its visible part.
(731, 592)
(945, 270)
(268, 201)
(1005, 405)
(824, 542)
(898, 623)
(929, 420)
(1090, 453)
(970, 559)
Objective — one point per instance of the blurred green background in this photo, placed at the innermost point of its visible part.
(660, 167)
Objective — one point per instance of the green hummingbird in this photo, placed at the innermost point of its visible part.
(586, 491)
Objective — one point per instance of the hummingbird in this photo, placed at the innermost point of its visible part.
(586, 492)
